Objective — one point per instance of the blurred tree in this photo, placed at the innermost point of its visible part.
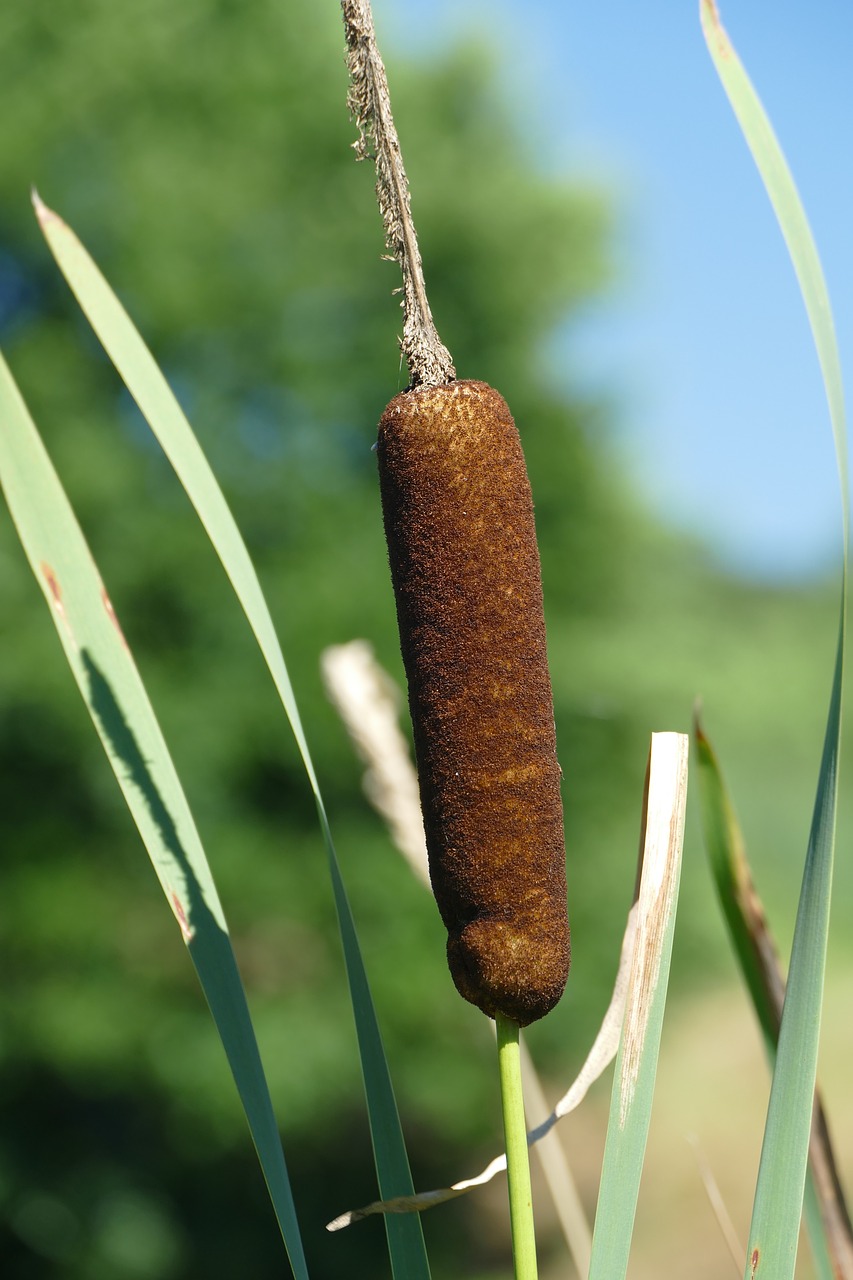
(203, 154)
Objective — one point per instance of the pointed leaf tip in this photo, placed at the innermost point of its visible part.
(700, 738)
(709, 16)
(709, 12)
(42, 212)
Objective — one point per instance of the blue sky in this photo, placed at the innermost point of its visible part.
(702, 341)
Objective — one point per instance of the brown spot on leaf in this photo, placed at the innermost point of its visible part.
(52, 584)
(187, 931)
(111, 614)
(55, 596)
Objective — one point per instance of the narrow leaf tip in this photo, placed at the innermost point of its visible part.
(709, 16)
(709, 12)
(43, 213)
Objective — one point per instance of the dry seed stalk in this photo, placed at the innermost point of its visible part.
(461, 539)
(427, 357)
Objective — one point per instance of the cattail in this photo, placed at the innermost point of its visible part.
(459, 523)
(465, 568)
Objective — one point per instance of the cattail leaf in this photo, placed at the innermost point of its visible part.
(112, 689)
(827, 1218)
(777, 1208)
(636, 1061)
(787, 206)
(754, 947)
(148, 387)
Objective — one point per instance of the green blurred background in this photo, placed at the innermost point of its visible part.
(201, 150)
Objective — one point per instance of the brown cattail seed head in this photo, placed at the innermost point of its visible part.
(461, 540)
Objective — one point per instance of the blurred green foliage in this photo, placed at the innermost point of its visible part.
(201, 150)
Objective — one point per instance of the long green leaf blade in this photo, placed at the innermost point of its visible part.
(118, 704)
(636, 1061)
(149, 389)
(826, 1213)
(756, 954)
(779, 1193)
(793, 223)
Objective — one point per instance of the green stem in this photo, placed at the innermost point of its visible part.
(517, 1161)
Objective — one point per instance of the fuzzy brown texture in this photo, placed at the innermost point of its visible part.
(459, 523)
